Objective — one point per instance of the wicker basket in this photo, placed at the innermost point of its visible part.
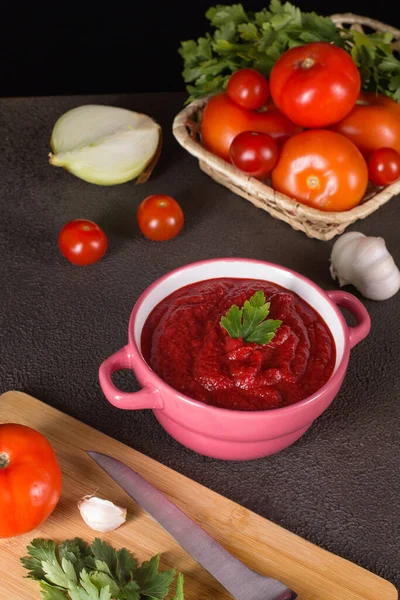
(315, 223)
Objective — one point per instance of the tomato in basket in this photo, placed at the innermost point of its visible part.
(322, 169)
(315, 84)
(384, 166)
(248, 88)
(379, 100)
(223, 120)
(371, 127)
(254, 153)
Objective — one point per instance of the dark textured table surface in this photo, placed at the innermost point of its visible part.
(339, 485)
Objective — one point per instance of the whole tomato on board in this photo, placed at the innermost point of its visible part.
(248, 88)
(384, 166)
(379, 100)
(30, 479)
(223, 120)
(322, 169)
(82, 242)
(160, 217)
(315, 85)
(370, 128)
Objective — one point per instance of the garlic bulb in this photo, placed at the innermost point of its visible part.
(105, 144)
(101, 515)
(366, 263)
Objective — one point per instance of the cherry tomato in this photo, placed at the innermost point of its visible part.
(255, 153)
(370, 128)
(82, 242)
(223, 120)
(30, 479)
(379, 100)
(315, 85)
(160, 217)
(248, 88)
(322, 169)
(384, 166)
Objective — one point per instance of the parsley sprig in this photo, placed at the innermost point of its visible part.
(74, 570)
(257, 39)
(249, 322)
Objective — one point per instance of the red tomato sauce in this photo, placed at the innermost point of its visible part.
(184, 343)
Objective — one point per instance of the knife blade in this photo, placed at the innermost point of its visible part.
(242, 582)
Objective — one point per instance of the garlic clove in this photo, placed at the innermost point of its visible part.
(101, 515)
(366, 263)
(105, 145)
(340, 268)
(382, 280)
(369, 251)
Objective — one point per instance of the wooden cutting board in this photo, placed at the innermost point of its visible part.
(313, 573)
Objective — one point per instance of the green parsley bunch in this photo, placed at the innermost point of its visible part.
(74, 570)
(243, 39)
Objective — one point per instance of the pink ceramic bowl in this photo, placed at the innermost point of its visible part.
(218, 432)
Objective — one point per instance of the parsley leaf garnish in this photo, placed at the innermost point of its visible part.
(242, 39)
(179, 588)
(249, 322)
(151, 582)
(74, 570)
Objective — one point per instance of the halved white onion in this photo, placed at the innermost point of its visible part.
(105, 144)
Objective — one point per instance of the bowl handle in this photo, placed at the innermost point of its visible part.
(148, 397)
(358, 310)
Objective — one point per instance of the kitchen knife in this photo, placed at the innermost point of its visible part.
(242, 582)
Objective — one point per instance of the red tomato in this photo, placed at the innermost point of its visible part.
(30, 479)
(223, 120)
(322, 169)
(370, 128)
(82, 242)
(384, 166)
(255, 153)
(379, 100)
(160, 217)
(248, 88)
(315, 85)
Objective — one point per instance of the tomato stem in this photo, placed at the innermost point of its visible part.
(312, 182)
(4, 460)
(308, 63)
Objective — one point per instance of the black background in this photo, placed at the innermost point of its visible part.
(95, 47)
